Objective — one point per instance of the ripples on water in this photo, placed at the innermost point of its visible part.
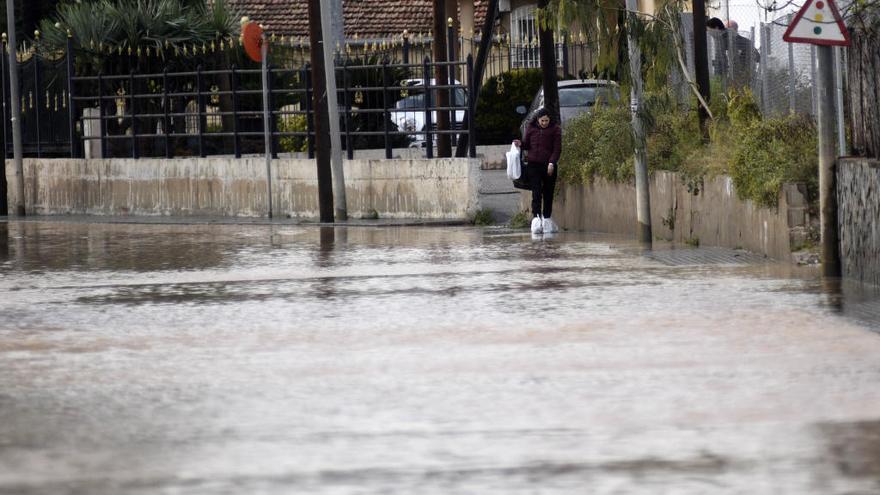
(258, 359)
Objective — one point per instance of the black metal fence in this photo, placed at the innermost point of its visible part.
(44, 105)
(220, 111)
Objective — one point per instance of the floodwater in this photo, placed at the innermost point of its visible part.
(276, 359)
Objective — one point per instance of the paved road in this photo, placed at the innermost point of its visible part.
(144, 359)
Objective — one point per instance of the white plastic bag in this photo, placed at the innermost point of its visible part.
(514, 168)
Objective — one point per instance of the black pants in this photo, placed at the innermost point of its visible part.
(543, 186)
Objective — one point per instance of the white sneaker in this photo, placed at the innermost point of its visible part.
(537, 226)
(550, 226)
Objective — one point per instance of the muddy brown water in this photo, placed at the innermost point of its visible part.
(141, 359)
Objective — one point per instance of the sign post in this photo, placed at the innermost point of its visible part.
(257, 48)
(819, 23)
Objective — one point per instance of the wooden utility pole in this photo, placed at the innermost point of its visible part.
(441, 77)
(643, 198)
(15, 111)
(701, 61)
(322, 122)
(548, 64)
(479, 67)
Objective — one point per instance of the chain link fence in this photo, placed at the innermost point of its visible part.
(779, 74)
(786, 77)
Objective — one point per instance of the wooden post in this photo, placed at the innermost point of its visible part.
(441, 98)
(701, 61)
(322, 121)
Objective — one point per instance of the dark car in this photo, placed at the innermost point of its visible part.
(575, 97)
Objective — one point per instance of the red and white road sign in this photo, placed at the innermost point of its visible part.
(818, 22)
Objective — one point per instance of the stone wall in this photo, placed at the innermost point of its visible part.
(711, 215)
(409, 188)
(858, 193)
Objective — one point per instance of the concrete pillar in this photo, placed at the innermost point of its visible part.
(92, 129)
(466, 8)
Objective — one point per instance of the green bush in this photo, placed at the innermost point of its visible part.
(673, 133)
(483, 217)
(743, 110)
(597, 144)
(771, 152)
(496, 119)
(293, 123)
(760, 154)
(521, 220)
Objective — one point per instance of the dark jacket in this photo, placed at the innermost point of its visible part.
(544, 145)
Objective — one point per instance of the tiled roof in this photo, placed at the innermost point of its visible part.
(366, 18)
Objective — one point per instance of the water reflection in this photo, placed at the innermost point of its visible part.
(424, 360)
(4, 241)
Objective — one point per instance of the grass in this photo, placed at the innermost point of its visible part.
(484, 217)
(520, 221)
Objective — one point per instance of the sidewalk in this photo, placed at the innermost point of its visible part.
(498, 194)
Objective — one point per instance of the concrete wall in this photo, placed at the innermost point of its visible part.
(858, 193)
(416, 188)
(712, 216)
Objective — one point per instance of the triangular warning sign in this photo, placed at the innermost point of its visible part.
(818, 22)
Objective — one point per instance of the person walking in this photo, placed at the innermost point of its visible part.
(543, 141)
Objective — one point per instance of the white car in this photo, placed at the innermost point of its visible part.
(576, 96)
(409, 112)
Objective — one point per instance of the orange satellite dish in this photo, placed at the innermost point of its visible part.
(252, 37)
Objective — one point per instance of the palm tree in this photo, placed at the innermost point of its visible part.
(145, 37)
(27, 15)
(103, 31)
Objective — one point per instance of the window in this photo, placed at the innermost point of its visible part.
(524, 38)
(524, 49)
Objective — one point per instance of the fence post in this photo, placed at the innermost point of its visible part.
(450, 57)
(273, 124)
(765, 75)
(565, 63)
(472, 106)
(202, 110)
(38, 106)
(405, 47)
(166, 121)
(429, 139)
(731, 58)
(346, 98)
(134, 150)
(71, 103)
(386, 119)
(310, 124)
(102, 122)
(236, 145)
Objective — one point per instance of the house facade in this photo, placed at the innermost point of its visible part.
(385, 23)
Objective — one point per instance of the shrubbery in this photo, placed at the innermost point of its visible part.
(293, 123)
(496, 119)
(597, 144)
(770, 152)
(760, 154)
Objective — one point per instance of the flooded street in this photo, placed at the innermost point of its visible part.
(276, 359)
